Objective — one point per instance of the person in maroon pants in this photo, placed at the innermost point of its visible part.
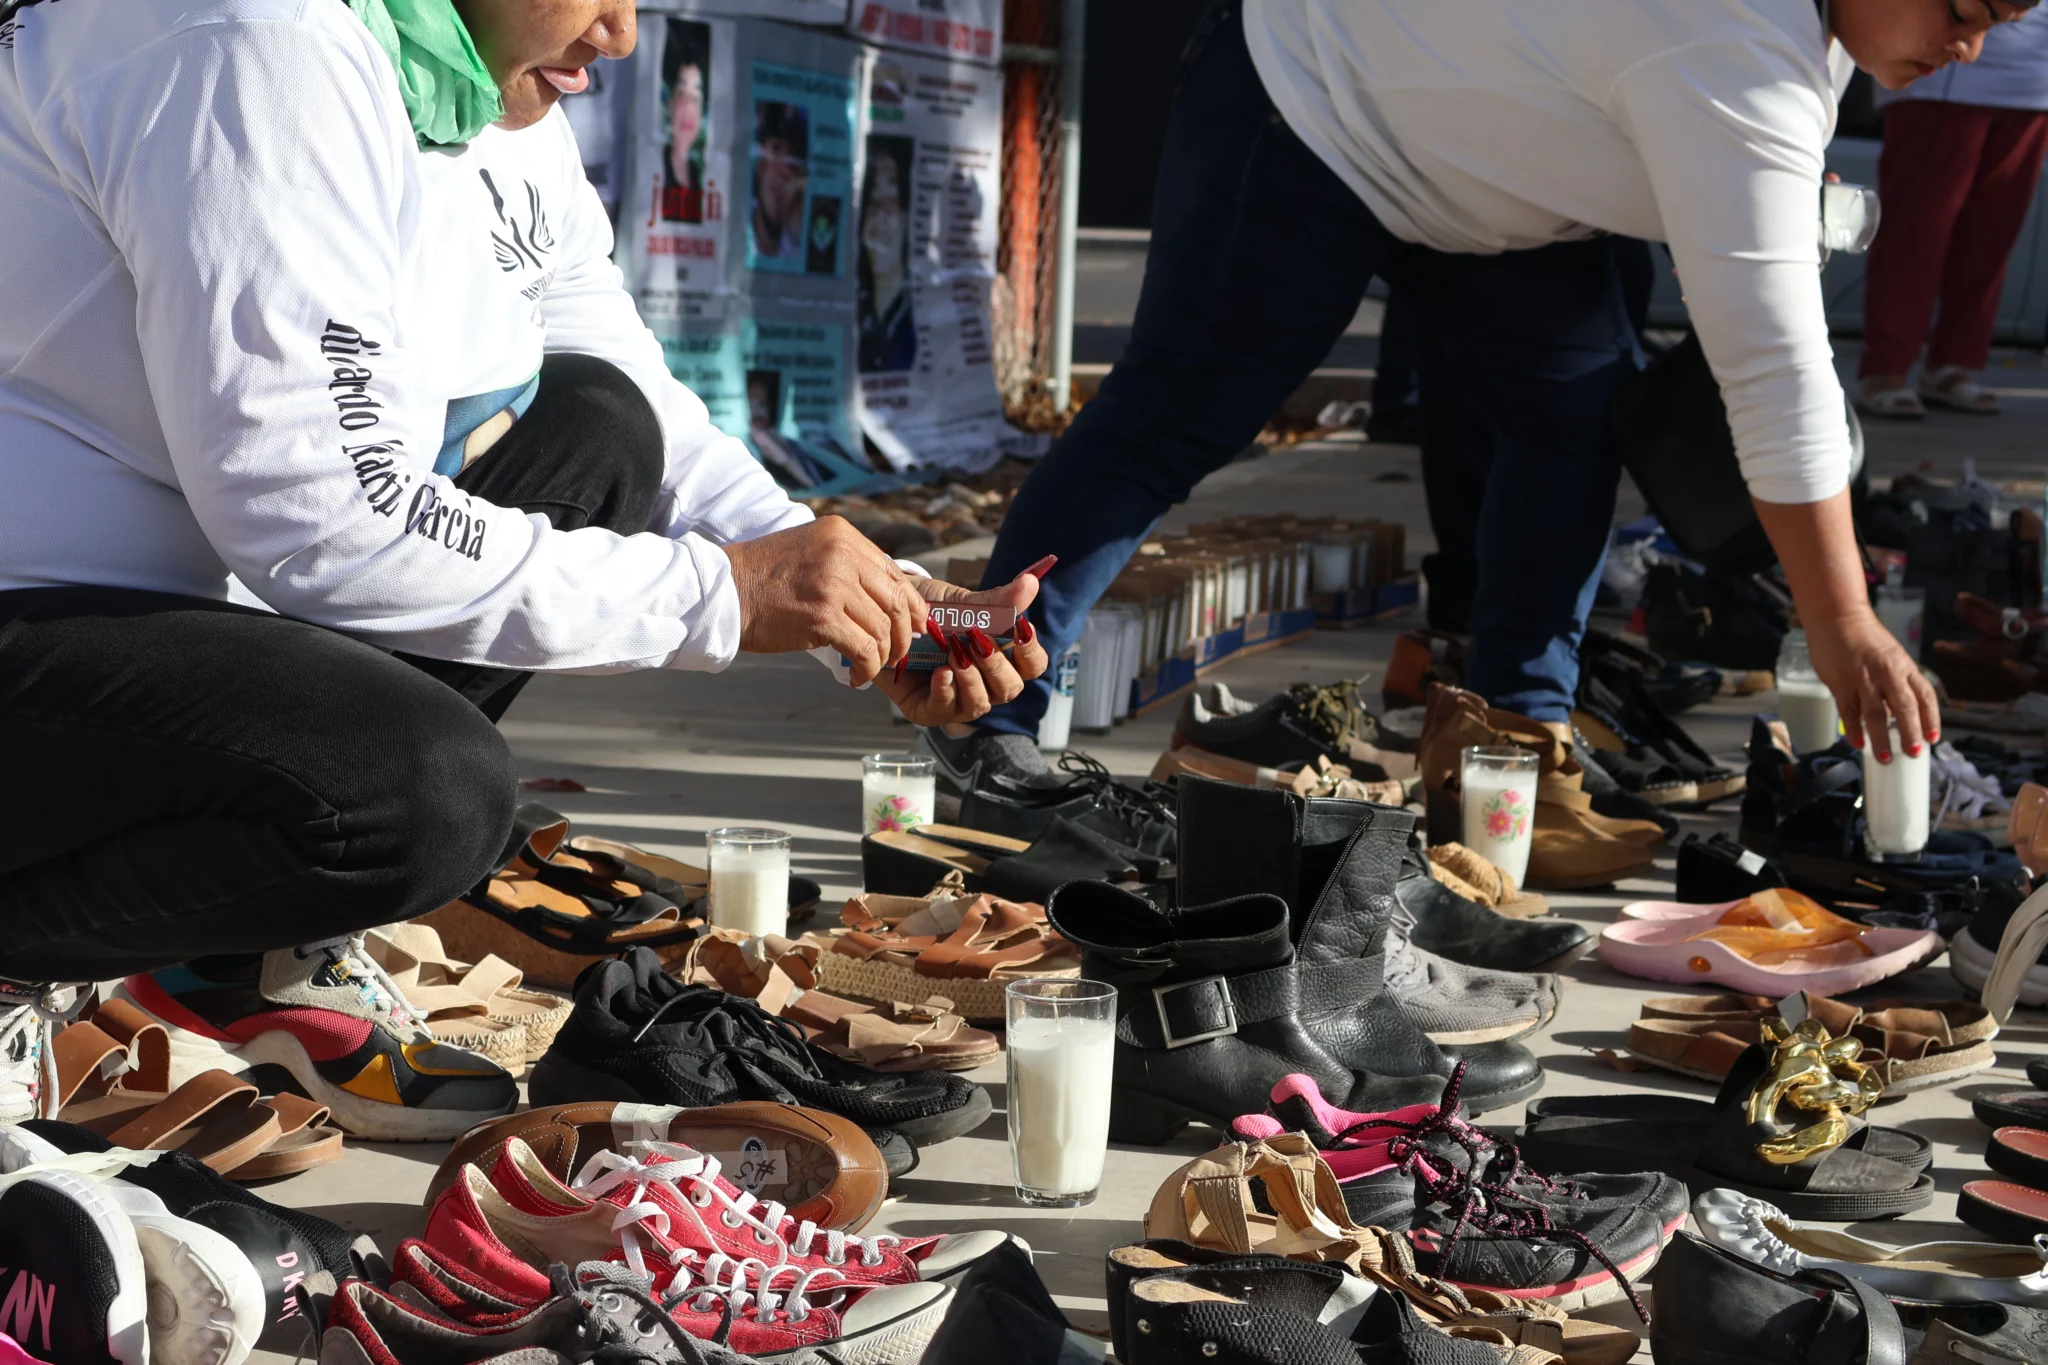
(1962, 154)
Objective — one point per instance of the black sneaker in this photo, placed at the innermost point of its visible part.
(71, 1274)
(1299, 725)
(638, 1034)
(1271, 1311)
(283, 1244)
(985, 755)
(1138, 822)
(1516, 1240)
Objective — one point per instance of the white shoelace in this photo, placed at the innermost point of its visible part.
(1961, 790)
(26, 1029)
(693, 1176)
(372, 982)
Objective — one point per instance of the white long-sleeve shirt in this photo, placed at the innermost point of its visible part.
(239, 305)
(1496, 125)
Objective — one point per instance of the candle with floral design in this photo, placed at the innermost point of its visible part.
(897, 792)
(1499, 787)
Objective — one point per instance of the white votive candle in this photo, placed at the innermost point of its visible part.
(1061, 1041)
(1896, 796)
(897, 792)
(1499, 807)
(749, 880)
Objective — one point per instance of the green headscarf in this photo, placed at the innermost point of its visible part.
(449, 95)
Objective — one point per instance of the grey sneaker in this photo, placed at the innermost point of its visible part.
(978, 759)
(1459, 1005)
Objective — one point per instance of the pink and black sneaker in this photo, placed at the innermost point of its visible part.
(1472, 1215)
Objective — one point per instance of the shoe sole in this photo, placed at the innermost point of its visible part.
(1829, 1207)
(1969, 962)
(1475, 1105)
(1590, 1291)
(370, 1120)
(556, 1080)
(890, 1343)
(201, 1310)
(1495, 1033)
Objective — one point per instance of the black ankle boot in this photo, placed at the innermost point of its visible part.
(1441, 921)
(1213, 1008)
(1336, 863)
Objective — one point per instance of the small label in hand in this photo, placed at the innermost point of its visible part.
(956, 619)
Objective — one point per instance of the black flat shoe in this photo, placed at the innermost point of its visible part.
(1571, 1134)
(2012, 1109)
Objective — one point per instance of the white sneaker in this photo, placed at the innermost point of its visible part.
(28, 1061)
(206, 1304)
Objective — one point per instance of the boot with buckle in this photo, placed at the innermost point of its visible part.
(1335, 862)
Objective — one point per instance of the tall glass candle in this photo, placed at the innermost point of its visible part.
(1896, 796)
(1499, 800)
(897, 792)
(749, 879)
(1060, 1036)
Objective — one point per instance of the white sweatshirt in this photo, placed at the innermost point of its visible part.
(241, 303)
(1495, 125)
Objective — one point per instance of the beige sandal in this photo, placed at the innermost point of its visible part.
(1885, 395)
(483, 1008)
(1477, 878)
(904, 949)
(1208, 1203)
(781, 976)
(1956, 389)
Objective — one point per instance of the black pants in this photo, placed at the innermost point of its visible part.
(185, 777)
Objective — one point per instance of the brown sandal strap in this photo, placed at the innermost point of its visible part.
(296, 1113)
(82, 1050)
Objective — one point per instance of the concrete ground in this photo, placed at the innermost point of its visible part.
(667, 756)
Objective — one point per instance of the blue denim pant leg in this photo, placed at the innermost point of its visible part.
(1539, 342)
(1259, 257)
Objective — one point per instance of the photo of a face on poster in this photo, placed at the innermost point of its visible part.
(782, 149)
(888, 332)
(686, 95)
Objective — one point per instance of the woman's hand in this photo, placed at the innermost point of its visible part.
(1875, 683)
(978, 676)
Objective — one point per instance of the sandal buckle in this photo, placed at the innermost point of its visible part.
(1224, 1030)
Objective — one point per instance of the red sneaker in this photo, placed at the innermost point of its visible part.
(754, 1308)
(708, 1213)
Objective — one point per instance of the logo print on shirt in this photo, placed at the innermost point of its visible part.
(10, 22)
(519, 246)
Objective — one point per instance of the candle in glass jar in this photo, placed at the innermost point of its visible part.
(897, 792)
(1896, 796)
(749, 880)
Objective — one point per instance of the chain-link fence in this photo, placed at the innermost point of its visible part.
(1024, 307)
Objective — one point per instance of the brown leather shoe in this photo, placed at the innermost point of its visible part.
(817, 1165)
(1572, 846)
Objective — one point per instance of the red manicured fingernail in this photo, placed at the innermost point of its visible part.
(1024, 630)
(938, 635)
(983, 646)
(958, 651)
(899, 668)
(1934, 736)
(1043, 566)
(1912, 751)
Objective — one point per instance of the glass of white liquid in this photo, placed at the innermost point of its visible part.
(1499, 787)
(1061, 1042)
(1804, 702)
(1895, 802)
(897, 792)
(749, 879)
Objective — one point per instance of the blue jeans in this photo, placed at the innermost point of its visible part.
(1258, 260)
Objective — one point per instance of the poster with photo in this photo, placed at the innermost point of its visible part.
(963, 30)
(782, 386)
(673, 224)
(800, 168)
(925, 248)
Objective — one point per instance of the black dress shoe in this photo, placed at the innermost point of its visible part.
(1335, 863)
(1138, 821)
(1445, 923)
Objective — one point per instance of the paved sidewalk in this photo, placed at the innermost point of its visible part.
(667, 756)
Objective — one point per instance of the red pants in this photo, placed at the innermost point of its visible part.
(1954, 183)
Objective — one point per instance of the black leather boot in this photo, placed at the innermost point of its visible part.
(1336, 862)
(1441, 921)
(1213, 1008)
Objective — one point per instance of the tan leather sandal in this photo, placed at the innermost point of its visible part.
(781, 976)
(904, 949)
(1477, 878)
(1209, 1203)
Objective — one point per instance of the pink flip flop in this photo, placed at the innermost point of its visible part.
(1673, 910)
(1772, 943)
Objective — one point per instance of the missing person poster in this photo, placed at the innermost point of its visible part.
(925, 248)
(673, 229)
(963, 30)
(801, 170)
(782, 385)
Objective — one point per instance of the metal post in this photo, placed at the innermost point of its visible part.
(1073, 36)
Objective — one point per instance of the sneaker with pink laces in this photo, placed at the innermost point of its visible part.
(710, 1214)
(756, 1308)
